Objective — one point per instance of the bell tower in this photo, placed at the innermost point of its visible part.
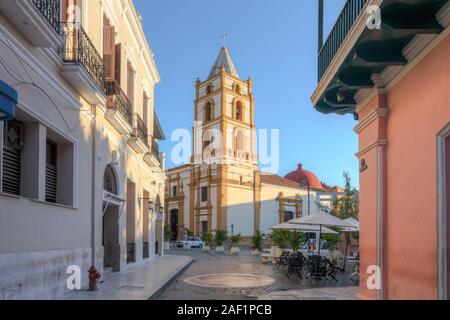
(224, 157)
(224, 129)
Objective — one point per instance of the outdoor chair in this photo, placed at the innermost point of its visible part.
(331, 270)
(296, 264)
(317, 267)
(283, 260)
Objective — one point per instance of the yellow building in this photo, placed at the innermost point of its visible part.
(82, 179)
(222, 186)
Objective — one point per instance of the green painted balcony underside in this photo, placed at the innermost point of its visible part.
(378, 49)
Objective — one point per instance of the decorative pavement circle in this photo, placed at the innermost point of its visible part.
(229, 280)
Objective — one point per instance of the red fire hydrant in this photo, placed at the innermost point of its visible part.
(94, 275)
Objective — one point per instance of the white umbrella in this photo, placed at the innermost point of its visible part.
(354, 223)
(302, 228)
(322, 219)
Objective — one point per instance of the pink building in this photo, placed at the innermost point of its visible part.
(388, 63)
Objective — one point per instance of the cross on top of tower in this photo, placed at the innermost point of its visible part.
(224, 38)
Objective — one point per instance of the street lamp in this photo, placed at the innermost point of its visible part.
(302, 185)
(232, 229)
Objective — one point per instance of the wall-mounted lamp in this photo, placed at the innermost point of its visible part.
(8, 101)
(362, 165)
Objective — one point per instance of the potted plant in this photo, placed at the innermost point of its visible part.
(279, 241)
(221, 237)
(257, 242)
(295, 239)
(206, 237)
(235, 244)
(167, 236)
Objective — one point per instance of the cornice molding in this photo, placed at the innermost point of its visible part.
(371, 117)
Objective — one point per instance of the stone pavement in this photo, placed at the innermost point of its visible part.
(338, 293)
(139, 282)
(245, 263)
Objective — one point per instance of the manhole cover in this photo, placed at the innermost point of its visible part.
(229, 280)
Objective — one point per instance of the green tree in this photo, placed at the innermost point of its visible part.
(257, 240)
(347, 205)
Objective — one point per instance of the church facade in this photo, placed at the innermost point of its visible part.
(222, 186)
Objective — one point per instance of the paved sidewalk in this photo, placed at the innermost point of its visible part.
(137, 283)
(338, 293)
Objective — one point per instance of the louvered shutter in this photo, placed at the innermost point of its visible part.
(12, 157)
(109, 51)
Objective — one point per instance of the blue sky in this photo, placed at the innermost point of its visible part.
(275, 42)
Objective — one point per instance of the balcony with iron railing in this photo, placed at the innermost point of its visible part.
(78, 49)
(118, 108)
(141, 129)
(139, 137)
(344, 23)
(50, 10)
(154, 157)
(371, 38)
(38, 20)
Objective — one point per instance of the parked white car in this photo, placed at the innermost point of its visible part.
(193, 242)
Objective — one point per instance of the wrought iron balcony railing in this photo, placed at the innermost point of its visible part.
(118, 100)
(347, 18)
(79, 48)
(140, 128)
(50, 10)
(155, 150)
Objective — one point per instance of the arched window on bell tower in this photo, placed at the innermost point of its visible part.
(239, 111)
(238, 139)
(237, 88)
(209, 89)
(208, 112)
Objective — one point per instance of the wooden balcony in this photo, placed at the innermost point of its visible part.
(357, 53)
(83, 66)
(118, 108)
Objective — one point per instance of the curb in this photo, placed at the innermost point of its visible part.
(163, 287)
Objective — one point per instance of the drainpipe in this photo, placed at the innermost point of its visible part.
(93, 172)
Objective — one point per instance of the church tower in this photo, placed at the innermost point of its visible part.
(224, 159)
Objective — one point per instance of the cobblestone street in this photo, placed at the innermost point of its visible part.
(282, 288)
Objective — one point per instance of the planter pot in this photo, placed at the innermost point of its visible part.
(205, 248)
(166, 245)
(235, 250)
(278, 252)
(273, 250)
(256, 252)
(186, 247)
(220, 249)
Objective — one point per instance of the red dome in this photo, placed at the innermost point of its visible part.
(302, 176)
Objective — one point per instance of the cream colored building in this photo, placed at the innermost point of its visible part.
(82, 179)
(222, 187)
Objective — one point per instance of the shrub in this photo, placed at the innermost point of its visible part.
(279, 238)
(257, 240)
(294, 239)
(236, 239)
(221, 237)
(207, 237)
(167, 233)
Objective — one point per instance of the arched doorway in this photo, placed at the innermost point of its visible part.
(111, 208)
(174, 223)
(288, 215)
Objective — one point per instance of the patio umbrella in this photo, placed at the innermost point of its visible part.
(302, 228)
(321, 219)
